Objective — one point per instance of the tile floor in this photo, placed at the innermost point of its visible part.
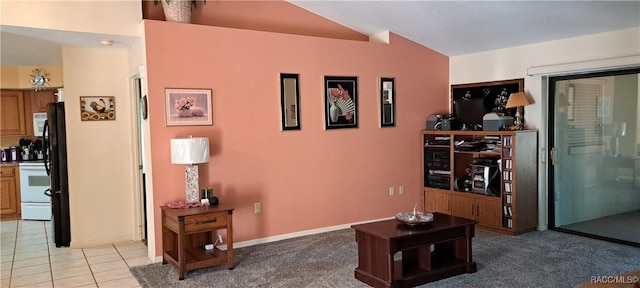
(29, 258)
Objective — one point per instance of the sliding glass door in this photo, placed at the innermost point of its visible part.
(595, 162)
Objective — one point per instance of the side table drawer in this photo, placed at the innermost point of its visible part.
(205, 222)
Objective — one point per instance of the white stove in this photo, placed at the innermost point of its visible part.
(33, 183)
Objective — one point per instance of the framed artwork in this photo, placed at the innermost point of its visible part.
(290, 101)
(341, 102)
(188, 107)
(387, 102)
(97, 108)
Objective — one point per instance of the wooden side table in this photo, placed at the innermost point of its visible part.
(185, 232)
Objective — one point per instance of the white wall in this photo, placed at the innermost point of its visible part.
(105, 17)
(101, 164)
(99, 152)
(592, 52)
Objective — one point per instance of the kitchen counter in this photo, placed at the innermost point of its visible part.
(17, 163)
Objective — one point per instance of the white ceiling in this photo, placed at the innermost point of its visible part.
(25, 46)
(461, 27)
(450, 27)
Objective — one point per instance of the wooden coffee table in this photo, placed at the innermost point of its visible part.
(393, 254)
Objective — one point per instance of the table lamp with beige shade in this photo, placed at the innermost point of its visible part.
(518, 100)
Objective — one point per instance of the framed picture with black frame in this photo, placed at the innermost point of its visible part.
(290, 101)
(387, 102)
(341, 102)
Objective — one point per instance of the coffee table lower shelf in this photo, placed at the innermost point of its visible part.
(416, 276)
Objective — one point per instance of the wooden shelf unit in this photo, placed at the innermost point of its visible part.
(515, 211)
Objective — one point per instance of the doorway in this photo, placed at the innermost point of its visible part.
(141, 197)
(594, 132)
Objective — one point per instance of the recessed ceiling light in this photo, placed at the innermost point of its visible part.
(106, 42)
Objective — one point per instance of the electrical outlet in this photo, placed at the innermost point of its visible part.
(401, 190)
(220, 238)
(257, 208)
(392, 191)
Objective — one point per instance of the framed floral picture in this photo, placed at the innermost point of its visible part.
(340, 102)
(97, 108)
(188, 107)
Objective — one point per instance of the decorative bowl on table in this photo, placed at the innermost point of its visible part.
(414, 218)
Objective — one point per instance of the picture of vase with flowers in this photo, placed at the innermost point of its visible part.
(340, 102)
(188, 107)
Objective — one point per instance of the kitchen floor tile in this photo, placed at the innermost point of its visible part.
(64, 265)
(35, 269)
(138, 261)
(5, 282)
(128, 282)
(89, 286)
(29, 258)
(71, 272)
(55, 258)
(103, 258)
(25, 249)
(47, 284)
(77, 281)
(30, 279)
(91, 252)
(133, 254)
(30, 262)
(128, 246)
(53, 250)
(107, 266)
(31, 254)
(112, 275)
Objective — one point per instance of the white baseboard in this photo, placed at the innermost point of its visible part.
(288, 236)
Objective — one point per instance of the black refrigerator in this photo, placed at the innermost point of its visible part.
(55, 162)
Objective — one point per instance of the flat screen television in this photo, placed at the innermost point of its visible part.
(469, 112)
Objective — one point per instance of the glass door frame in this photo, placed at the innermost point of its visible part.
(551, 111)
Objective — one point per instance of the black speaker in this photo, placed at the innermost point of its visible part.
(449, 124)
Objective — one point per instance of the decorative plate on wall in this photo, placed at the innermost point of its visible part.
(39, 79)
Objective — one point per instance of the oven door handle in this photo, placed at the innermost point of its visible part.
(47, 192)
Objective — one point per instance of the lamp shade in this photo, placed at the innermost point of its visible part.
(193, 150)
(517, 99)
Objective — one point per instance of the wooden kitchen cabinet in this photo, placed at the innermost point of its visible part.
(9, 192)
(37, 102)
(40, 100)
(12, 113)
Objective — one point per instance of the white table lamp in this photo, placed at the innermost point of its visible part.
(190, 151)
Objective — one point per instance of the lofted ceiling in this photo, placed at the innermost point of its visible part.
(451, 28)
(456, 28)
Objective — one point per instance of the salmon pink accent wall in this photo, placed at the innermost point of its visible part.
(305, 179)
(272, 15)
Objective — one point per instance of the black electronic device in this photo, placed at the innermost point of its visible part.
(437, 170)
(469, 113)
(450, 123)
(485, 179)
(433, 121)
